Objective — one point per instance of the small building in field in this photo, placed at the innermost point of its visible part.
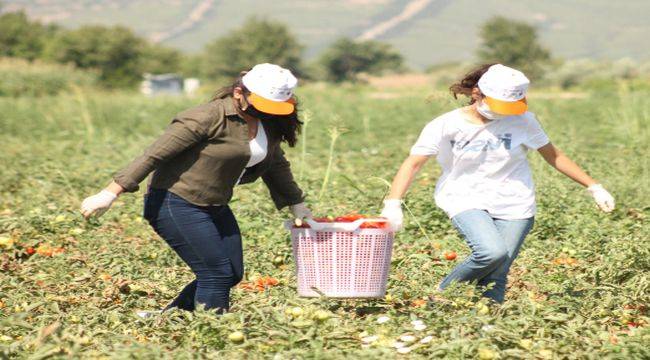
(168, 84)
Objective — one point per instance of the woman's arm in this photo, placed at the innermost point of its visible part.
(556, 158)
(187, 129)
(99, 203)
(115, 188)
(401, 183)
(280, 182)
(405, 176)
(283, 188)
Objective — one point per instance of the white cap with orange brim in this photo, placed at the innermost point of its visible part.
(271, 88)
(505, 90)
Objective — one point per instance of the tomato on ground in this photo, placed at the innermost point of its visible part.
(450, 255)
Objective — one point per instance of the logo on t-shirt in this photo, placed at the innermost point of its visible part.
(483, 145)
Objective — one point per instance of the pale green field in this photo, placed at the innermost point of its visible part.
(56, 150)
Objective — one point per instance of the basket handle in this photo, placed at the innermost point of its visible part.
(336, 226)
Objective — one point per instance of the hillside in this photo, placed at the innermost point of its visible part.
(425, 31)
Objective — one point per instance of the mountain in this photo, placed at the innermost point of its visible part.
(425, 31)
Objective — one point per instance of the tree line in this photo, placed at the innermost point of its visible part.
(120, 57)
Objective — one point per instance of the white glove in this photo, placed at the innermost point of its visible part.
(97, 204)
(602, 197)
(300, 211)
(393, 212)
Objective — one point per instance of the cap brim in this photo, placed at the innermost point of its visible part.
(507, 107)
(270, 106)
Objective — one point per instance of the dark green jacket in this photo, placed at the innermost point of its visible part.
(202, 154)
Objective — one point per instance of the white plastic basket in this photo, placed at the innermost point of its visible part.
(341, 260)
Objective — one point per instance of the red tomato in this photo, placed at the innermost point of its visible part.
(30, 251)
(260, 284)
(418, 303)
(450, 255)
(44, 250)
(270, 281)
(349, 218)
(374, 225)
(247, 285)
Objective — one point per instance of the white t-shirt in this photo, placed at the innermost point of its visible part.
(258, 146)
(483, 166)
(259, 149)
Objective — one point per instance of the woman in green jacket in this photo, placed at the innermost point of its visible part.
(204, 153)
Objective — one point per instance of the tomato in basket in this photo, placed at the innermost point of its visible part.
(299, 224)
(365, 225)
(375, 225)
(347, 219)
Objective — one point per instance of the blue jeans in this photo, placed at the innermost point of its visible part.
(207, 239)
(495, 244)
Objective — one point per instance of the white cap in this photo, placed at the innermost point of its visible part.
(504, 83)
(272, 87)
(505, 89)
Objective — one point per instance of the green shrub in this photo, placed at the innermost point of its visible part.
(346, 58)
(596, 75)
(115, 52)
(513, 43)
(158, 59)
(257, 41)
(24, 78)
(23, 38)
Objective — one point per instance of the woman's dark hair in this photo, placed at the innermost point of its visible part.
(287, 127)
(467, 84)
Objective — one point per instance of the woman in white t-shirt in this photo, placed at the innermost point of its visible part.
(486, 186)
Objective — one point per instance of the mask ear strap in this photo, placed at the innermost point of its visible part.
(244, 102)
(479, 97)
